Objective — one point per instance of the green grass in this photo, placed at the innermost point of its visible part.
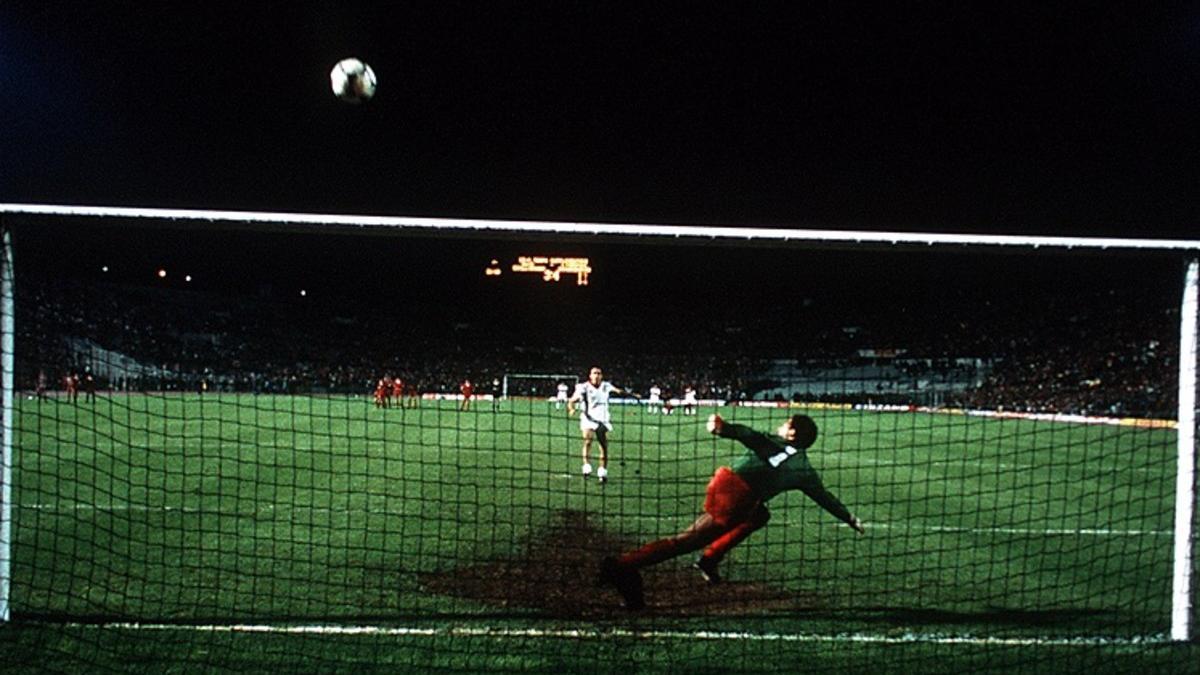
(305, 511)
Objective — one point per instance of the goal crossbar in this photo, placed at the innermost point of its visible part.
(481, 227)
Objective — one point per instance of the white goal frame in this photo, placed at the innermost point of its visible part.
(1185, 493)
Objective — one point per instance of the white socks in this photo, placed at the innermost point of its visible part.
(601, 472)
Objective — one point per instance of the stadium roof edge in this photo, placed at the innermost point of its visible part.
(282, 221)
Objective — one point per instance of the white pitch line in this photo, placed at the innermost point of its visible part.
(978, 468)
(960, 529)
(1099, 532)
(871, 525)
(592, 633)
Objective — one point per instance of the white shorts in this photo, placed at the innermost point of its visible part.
(587, 424)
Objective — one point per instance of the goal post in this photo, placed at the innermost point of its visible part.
(1014, 427)
(1185, 477)
(7, 357)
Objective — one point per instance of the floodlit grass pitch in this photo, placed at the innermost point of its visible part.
(241, 509)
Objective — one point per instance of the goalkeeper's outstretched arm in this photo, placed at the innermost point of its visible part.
(830, 503)
(759, 443)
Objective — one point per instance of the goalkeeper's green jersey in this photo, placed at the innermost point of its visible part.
(772, 466)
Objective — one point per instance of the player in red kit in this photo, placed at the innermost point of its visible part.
(467, 390)
(72, 386)
(380, 394)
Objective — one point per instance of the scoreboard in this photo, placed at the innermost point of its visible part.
(552, 269)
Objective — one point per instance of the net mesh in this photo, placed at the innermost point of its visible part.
(211, 471)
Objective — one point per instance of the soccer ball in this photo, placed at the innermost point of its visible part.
(352, 80)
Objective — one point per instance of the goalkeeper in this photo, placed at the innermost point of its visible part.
(734, 505)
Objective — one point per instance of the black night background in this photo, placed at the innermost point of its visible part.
(994, 117)
(933, 117)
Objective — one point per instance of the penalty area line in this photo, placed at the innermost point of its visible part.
(293, 508)
(575, 634)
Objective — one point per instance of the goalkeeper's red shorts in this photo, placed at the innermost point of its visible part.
(729, 497)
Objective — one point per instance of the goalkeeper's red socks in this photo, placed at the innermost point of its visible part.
(650, 554)
(724, 543)
(717, 550)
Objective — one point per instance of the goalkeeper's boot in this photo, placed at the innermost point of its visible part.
(708, 569)
(602, 475)
(628, 582)
(587, 470)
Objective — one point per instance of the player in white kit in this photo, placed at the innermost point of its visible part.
(655, 401)
(689, 401)
(561, 396)
(595, 420)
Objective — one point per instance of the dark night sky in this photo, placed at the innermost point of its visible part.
(1048, 118)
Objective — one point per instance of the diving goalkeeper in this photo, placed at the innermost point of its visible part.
(735, 503)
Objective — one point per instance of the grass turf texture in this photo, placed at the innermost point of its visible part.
(327, 511)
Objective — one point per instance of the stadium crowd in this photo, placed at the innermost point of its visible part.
(1112, 353)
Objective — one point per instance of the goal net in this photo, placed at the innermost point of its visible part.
(289, 442)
